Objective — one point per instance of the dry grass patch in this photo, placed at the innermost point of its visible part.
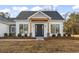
(48, 46)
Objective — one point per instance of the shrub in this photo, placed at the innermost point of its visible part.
(19, 35)
(5, 34)
(59, 35)
(64, 35)
(25, 35)
(69, 35)
(10, 34)
(53, 35)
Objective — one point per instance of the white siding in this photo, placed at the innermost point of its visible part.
(4, 28)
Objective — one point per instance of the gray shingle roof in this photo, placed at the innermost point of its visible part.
(25, 14)
(53, 14)
(6, 19)
(2, 18)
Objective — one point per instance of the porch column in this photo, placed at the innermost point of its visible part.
(33, 30)
(61, 29)
(49, 29)
(29, 29)
(45, 29)
(17, 29)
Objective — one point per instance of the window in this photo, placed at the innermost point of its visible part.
(55, 28)
(12, 28)
(23, 28)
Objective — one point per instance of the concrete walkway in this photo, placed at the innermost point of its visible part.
(39, 38)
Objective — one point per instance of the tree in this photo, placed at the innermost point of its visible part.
(71, 25)
(2, 14)
(6, 15)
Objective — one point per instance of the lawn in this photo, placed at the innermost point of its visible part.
(48, 46)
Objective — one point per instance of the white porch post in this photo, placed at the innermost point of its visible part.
(50, 29)
(61, 29)
(17, 29)
(28, 29)
(33, 30)
(45, 29)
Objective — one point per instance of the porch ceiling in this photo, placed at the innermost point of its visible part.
(39, 19)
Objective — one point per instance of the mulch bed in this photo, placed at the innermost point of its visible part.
(59, 38)
(17, 38)
(48, 38)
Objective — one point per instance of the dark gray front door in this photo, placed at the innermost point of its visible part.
(39, 29)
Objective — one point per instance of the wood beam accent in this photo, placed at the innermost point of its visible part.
(39, 19)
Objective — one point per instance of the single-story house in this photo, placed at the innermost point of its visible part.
(33, 23)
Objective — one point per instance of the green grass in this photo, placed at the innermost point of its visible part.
(49, 46)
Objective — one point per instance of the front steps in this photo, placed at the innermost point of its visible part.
(39, 38)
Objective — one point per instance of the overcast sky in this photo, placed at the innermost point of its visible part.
(14, 10)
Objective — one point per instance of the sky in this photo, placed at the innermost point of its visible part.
(14, 10)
